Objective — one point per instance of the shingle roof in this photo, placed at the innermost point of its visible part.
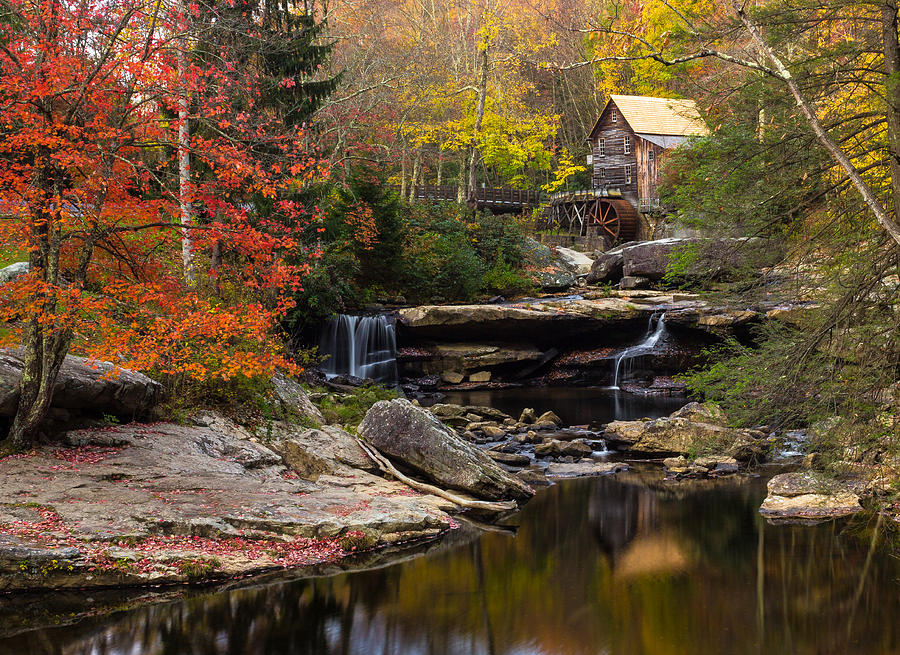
(663, 116)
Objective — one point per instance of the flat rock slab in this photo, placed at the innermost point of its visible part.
(805, 495)
(584, 468)
(168, 494)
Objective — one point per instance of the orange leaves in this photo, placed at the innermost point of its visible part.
(361, 221)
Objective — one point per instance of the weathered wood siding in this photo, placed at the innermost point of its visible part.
(609, 169)
(648, 168)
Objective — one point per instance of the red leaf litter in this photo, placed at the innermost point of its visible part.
(50, 532)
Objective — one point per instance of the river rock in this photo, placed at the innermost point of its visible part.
(88, 386)
(292, 402)
(585, 467)
(528, 416)
(668, 435)
(493, 432)
(804, 495)
(580, 263)
(145, 481)
(557, 448)
(417, 439)
(533, 478)
(480, 376)
(634, 282)
(607, 267)
(510, 459)
(549, 417)
(702, 413)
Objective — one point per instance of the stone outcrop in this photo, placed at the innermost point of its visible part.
(292, 402)
(84, 385)
(712, 466)
(551, 271)
(804, 495)
(311, 453)
(416, 439)
(131, 504)
(694, 427)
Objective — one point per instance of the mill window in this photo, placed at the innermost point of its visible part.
(628, 174)
(614, 115)
(626, 140)
(601, 147)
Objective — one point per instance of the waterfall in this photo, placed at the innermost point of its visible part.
(362, 346)
(656, 328)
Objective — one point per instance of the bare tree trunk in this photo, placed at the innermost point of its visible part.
(886, 220)
(472, 199)
(461, 192)
(417, 164)
(184, 153)
(440, 167)
(403, 183)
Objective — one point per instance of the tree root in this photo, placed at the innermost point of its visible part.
(385, 465)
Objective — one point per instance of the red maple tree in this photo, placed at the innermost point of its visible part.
(89, 190)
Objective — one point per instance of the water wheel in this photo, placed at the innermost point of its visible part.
(614, 219)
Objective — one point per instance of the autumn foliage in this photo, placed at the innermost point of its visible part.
(89, 191)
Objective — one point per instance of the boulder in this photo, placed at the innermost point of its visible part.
(667, 435)
(557, 448)
(418, 440)
(804, 495)
(292, 402)
(580, 263)
(480, 376)
(702, 413)
(549, 417)
(607, 267)
(634, 282)
(552, 273)
(452, 377)
(528, 416)
(89, 386)
(14, 270)
(533, 478)
(650, 259)
(311, 453)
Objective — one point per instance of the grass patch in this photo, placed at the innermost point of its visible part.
(349, 409)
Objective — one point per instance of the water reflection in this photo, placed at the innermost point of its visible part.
(620, 566)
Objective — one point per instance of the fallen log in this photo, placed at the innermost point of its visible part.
(385, 465)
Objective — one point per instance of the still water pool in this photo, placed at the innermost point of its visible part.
(624, 565)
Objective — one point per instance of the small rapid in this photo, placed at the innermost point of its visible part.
(656, 329)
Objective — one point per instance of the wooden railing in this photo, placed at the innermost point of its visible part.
(491, 198)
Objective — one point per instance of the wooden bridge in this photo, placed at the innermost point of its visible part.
(499, 200)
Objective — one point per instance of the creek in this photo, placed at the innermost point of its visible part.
(627, 564)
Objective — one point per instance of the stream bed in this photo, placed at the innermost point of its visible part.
(627, 565)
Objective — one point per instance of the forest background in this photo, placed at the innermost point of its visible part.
(280, 141)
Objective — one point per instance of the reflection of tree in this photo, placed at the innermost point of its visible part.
(618, 513)
(737, 589)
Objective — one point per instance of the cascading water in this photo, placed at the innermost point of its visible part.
(656, 328)
(362, 346)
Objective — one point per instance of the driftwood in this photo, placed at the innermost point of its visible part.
(385, 465)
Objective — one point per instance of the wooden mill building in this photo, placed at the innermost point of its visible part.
(628, 143)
